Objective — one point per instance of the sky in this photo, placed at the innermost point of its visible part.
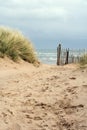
(47, 22)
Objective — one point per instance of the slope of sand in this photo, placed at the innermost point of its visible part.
(44, 98)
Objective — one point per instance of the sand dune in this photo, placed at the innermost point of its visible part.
(45, 98)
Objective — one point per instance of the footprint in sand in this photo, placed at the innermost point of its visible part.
(72, 78)
(85, 85)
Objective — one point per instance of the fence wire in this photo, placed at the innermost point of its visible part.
(74, 55)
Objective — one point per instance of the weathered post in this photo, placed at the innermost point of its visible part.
(58, 54)
(67, 56)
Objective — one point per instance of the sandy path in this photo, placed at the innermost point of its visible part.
(44, 98)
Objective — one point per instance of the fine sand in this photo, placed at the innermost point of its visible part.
(48, 97)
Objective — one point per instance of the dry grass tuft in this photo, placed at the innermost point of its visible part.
(15, 46)
(83, 61)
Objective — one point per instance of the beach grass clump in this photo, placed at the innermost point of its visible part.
(15, 46)
(83, 60)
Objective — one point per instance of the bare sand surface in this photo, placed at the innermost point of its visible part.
(49, 97)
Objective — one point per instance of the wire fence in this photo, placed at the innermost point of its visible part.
(66, 56)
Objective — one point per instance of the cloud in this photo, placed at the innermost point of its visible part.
(34, 11)
(46, 19)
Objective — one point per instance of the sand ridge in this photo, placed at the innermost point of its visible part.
(44, 98)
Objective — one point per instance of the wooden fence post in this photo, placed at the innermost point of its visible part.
(58, 54)
(67, 56)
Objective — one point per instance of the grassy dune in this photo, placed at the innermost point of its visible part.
(15, 46)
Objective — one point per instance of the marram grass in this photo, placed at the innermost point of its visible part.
(15, 46)
(83, 61)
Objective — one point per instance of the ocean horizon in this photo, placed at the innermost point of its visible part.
(49, 56)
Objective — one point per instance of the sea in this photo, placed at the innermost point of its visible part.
(47, 56)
